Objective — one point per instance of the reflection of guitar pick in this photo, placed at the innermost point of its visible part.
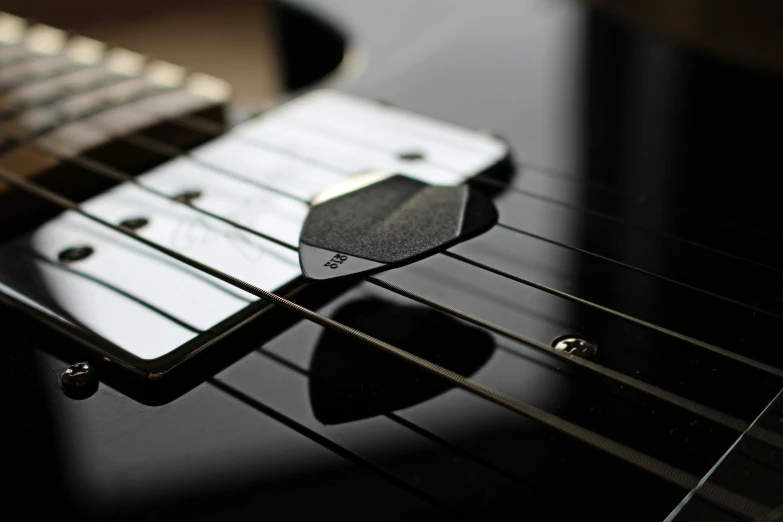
(376, 221)
(351, 381)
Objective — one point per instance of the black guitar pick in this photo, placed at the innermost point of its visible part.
(377, 221)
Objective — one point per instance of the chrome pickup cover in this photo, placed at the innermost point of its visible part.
(144, 305)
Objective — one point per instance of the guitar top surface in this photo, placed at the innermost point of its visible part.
(638, 231)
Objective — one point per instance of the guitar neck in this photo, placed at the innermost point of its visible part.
(63, 95)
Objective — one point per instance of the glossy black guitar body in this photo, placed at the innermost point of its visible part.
(655, 164)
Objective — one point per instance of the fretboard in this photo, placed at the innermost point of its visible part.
(62, 95)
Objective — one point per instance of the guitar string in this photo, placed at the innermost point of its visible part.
(105, 223)
(199, 124)
(559, 244)
(518, 230)
(159, 146)
(174, 152)
(672, 474)
(651, 465)
(601, 215)
(324, 130)
(116, 289)
(303, 371)
(709, 220)
(412, 426)
(194, 121)
(650, 326)
(293, 424)
(538, 196)
(326, 442)
(664, 395)
(89, 216)
(641, 271)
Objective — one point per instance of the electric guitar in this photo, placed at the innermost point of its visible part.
(196, 329)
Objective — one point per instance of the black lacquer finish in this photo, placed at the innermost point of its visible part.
(655, 163)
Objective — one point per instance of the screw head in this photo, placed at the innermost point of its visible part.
(188, 196)
(76, 253)
(575, 346)
(134, 223)
(80, 380)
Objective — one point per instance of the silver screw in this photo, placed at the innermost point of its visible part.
(576, 346)
(80, 379)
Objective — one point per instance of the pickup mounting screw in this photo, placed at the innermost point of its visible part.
(575, 346)
(79, 380)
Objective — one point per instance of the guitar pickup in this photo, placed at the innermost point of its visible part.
(148, 313)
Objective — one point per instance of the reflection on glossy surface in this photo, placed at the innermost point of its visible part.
(649, 152)
(351, 381)
(145, 306)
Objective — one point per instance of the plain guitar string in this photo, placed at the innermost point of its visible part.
(674, 475)
(671, 474)
(662, 394)
(174, 152)
(209, 127)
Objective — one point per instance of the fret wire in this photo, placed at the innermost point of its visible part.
(639, 270)
(600, 215)
(14, 110)
(30, 137)
(32, 80)
(37, 80)
(345, 453)
(629, 455)
(692, 406)
(671, 333)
